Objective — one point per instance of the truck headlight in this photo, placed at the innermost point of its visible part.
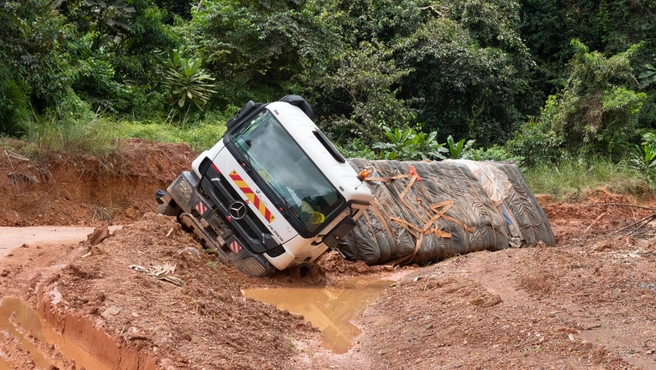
(182, 190)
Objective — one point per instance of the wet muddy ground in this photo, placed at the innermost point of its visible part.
(14, 237)
(587, 303)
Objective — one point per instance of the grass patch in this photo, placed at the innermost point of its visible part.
(571, 180)
(200, 137)
(73, 128)
(92, 136)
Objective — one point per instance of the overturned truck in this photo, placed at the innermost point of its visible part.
(427, 211)
(275, 193)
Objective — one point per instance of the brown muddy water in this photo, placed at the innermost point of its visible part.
(330, 309)
(19, 321)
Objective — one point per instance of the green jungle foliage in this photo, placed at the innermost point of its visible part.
(535, 81)
(189, 84)
(596, 113)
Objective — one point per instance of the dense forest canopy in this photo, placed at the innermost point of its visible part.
(538, 77)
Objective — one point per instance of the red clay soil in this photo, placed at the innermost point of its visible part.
(67, 190)
(587, 303)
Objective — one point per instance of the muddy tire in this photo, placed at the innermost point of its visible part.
(184, 227)
(256, 265)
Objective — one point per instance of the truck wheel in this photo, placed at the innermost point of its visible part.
(256, 265)
(167, 210)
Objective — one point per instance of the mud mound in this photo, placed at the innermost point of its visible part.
(602, 214)
(70, 190)
(599, 202)
(128, 285)
(333, 262)
(578, 307)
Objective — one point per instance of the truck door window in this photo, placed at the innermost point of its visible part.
(276, 158)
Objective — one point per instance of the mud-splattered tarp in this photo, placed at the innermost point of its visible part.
(427, 211)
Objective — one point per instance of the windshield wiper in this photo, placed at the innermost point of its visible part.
(248, 163)
(287, 205)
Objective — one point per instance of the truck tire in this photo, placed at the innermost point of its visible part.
(256, 265)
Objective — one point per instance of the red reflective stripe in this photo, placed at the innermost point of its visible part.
(243, 186)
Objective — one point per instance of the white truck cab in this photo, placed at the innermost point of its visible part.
(272, 193)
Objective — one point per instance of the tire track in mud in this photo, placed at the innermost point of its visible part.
(37, 334)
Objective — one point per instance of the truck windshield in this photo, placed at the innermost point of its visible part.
(280, 162)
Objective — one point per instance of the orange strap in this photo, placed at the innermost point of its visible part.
(382, 219)
(438, 209)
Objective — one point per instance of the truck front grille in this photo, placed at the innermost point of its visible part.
(219, 190)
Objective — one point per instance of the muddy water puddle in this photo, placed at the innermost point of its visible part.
(19, 321)
(328, 308)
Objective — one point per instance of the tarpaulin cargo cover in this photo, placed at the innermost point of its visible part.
(427, 211)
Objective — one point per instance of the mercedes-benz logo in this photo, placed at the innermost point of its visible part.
(238, 210)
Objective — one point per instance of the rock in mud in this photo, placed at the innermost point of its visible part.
(98, 235)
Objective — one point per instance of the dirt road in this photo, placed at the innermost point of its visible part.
(587, 303)
(14, 237)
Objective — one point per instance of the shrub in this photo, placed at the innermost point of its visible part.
(73, 128)
(14, 103)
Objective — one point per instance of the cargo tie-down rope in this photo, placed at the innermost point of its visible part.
(434, 211)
